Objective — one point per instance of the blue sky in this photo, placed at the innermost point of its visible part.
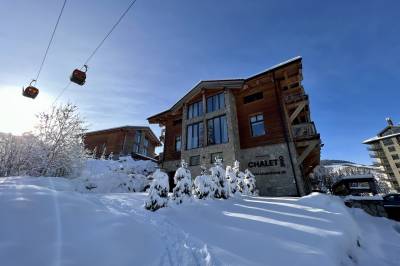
(350, 50)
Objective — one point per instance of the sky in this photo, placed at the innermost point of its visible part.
(350, 50)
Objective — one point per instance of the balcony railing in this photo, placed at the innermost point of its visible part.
(304, 130)
(377, 155)
(298, 97)
(374, 148)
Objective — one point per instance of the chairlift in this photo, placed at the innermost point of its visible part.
(30, 91)
(78, 76)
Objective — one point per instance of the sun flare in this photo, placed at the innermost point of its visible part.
(17, 113)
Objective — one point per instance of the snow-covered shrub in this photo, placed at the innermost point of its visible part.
(218, 176)
(158, 192)
(235, 178)
(183, 183)
(250, 183)
(124, 175)
(204, 186)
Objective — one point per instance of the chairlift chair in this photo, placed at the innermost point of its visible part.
(78, 76)
(30, 91)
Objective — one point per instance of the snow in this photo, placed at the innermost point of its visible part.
(46, 222)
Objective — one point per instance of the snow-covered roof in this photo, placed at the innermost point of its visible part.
(377, 138)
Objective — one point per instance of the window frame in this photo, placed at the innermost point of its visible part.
(191, 108)
(220, 124)
(180, 143)
(248, 98)
(218, 96)
(191, 160)
(257, 121)
(200, 138)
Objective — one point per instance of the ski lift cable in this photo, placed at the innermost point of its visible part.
(109, 33)
(61, 93)
(98, 46)
(50, 41)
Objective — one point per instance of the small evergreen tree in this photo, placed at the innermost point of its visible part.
(250, 182)
(204, 187)
(183, 183)
(111, 156)
(103, 154)
(158, 192)
(218, 176)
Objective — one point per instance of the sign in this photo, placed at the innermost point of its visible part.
(268, 163)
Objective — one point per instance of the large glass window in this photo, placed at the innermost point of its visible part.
(138, 136)
(215, 102)
(195, 109)
(257, 125)
(178, 143)
(217, 130)
(194, 136)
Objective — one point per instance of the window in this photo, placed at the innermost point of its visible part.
(215, 102)
(257, 125)
(194, 160)
(218, 155)
(391, 149)
(253, 97)
(138, 137)
(395, 156)
(398, 165)
(178, 143)
(194, 135)
(217, 130)
(387, 142)
(146, 143)
(195, 110)
(135, 148)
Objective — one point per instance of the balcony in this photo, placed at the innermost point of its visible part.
(374, 148)
(293, 98)
(377, 155)
(304, 130)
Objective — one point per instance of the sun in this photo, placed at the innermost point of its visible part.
(17, 113)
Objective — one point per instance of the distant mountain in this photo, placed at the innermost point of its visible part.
(330, 162)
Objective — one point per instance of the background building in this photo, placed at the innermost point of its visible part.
(137, 141)
(262, 121)
(385, 150)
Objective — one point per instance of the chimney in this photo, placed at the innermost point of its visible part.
(389, 121)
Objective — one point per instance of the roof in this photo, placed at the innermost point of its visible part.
(377, 138)
(126, 128)
(225, 83)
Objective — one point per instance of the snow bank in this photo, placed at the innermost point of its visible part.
(124, 175)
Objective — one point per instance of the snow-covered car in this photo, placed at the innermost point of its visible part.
(391, 202)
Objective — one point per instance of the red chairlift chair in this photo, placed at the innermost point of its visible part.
(78, 76)
(30, 91)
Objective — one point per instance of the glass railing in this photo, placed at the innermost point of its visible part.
(304, 130)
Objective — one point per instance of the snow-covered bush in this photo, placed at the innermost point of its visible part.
(183, 183)
(124, 175)
(235, 178)
(204, 186)
(218, 176)
(250, 183)
(158, 192)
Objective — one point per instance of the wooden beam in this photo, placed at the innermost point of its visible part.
(312, 144)
(296, 112)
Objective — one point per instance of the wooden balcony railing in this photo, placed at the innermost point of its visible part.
(298, 97)
(304, 130)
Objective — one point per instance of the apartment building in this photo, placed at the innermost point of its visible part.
(262, 121)
(138, 141)
(385, 150)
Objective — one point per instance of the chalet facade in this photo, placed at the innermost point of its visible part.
(262, 121)
(137, 141)
(385, 150)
